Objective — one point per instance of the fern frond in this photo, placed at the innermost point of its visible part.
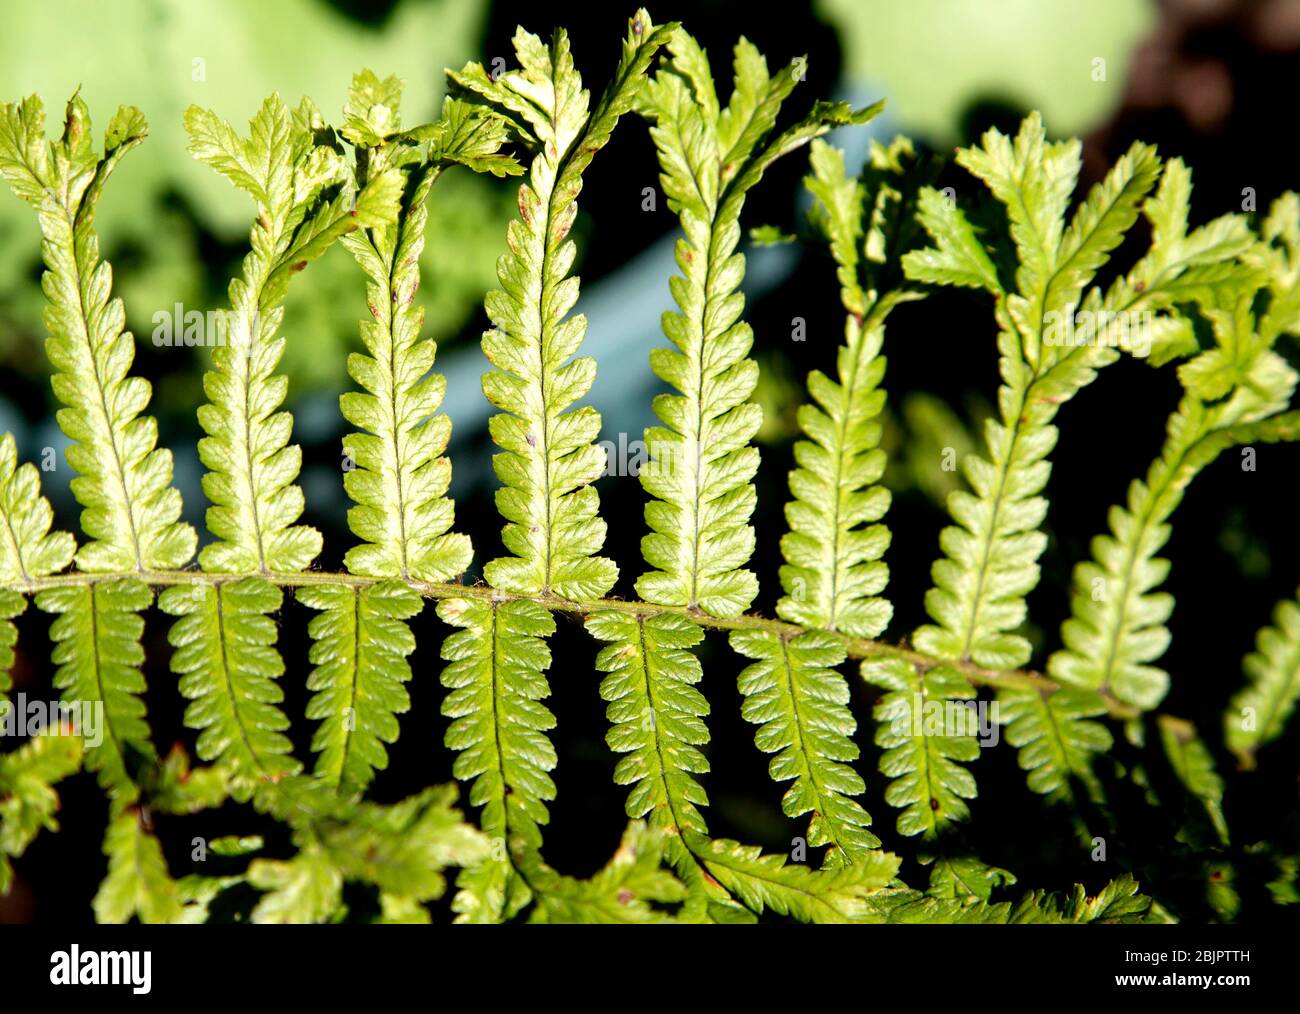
(96, 634)
(800, 704)
(548, 458)
(359, 649)
(499, 725)
(624, 891)
(401, 849)
(27, 546)
(138, 883)
(925, 731)
(965, 879)
(401, 477)
(307, 888)
(224, 640)
(769, 882)
(1259, 712)
(657, 717)
(1193, 765)
(990, 556)
(131, 510)
(1118, 902)
(701, 466)
(833, 573)
(1056, 738)
(28, 801)
(1117, 624)
(305, 202)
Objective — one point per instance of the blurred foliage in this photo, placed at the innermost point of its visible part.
(937, 57)
(173, 230)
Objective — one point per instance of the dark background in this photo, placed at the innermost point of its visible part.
(1210, 81)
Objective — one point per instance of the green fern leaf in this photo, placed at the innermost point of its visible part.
(96, 634)
(548, 457)
(925, 731)
(1193, 764)
(401, 477)
(702, 464)
(27, 546)
(28, 801)
(833, 572)
(990, 560)
(305, 202)
(965, 879)
(768, 882)
(624, 891)
(1055, 737)
(800, 704)
(1117, 624)
(499, 725)
(138, 883)
(224, 641)
(305, 889)
(124, 482)
(1259, 712)
(360, 644)
(657, 717)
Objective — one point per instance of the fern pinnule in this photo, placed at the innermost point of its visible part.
(1117, 627)
(124, 481)
(800, 703)
(549, 458)
(28, 548)
(702, 464)
(1259, 711)
(305, 202)
(400, 478)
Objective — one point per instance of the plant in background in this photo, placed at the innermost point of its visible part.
(1218, 298)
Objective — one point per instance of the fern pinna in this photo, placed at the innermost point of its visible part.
(1211, 303)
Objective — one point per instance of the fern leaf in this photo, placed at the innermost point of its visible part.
(499, 725)
(1116, 628)
(833, 572)
(1118, 902)
(925, 731)
(702, 463)
(360, 644)
(1259, 712)
(990, 556)
(224, 641)
(124, 481)
(138, 884)
(657, 717)
(1056, 738)
(401, 476)
(96, 634)
(548, 458)
(800, 704)
(1193, 764)
(402, 848)
(624, 891)
(28, 801)
(768, 882)
(305, 889)
(27, 546)
(966, 879)
(305, 202)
